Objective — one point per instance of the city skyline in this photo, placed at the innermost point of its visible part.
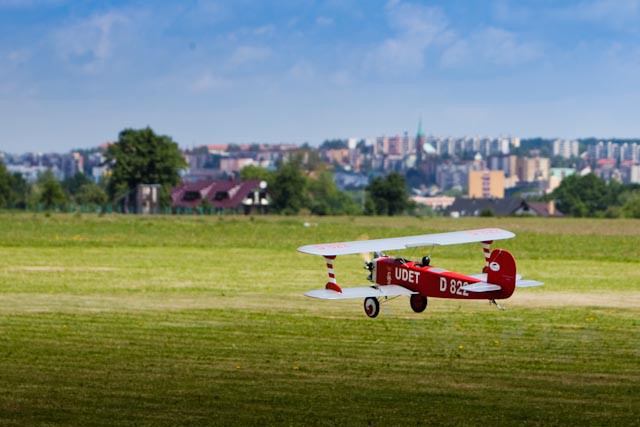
(74, 75)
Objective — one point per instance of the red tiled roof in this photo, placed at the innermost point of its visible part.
(606, 162)
(191, 195)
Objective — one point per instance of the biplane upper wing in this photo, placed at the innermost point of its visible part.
(398, 243)
(360, 292)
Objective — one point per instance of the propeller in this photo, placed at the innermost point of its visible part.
(368, 264)
(366, 256)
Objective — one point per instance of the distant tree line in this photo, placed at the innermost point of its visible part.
(143, 157)
(138, 157)
(590, 196)
(295, 190)
(334, 144)
(47, 193)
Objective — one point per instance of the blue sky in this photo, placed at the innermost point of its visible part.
(73, 74)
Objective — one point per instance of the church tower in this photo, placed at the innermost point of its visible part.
(420, 140)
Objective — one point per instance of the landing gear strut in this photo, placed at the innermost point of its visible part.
(501, 308)
(371, 306)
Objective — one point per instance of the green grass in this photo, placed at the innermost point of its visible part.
(201, 321)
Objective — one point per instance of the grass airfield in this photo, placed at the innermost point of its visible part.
(130, 321)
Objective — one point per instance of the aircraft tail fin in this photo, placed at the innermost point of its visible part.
(502, 271)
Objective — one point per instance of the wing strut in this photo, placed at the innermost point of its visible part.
(331, 284)
(486, 247)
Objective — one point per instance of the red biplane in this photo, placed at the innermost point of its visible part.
(394, 276)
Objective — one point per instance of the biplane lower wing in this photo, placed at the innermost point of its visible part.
(360, 292)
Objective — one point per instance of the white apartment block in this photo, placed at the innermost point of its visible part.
(634, 174)
(468, 145)
(565, 149)
(630, 152)
(611, 150)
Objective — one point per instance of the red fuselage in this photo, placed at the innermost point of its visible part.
(430, 281)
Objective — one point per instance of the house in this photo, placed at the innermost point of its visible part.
(502, 207)
(437, 203)
(221, 196)
(545, 209)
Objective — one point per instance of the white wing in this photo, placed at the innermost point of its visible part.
(398, 243)
(360, 292)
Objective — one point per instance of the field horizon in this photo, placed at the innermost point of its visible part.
(164, 320)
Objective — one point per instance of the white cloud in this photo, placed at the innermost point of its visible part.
(90, 43)
(512, 12)
(621, 15)
(324, 21)
(302, 71)
(417, 28)
(606, 10)
(490, 46)
(264, 30)
(457, 54)
(18, 56)
(342, 78)
(416, 21)
(421, 30)
(209, 7)
(209, 81)
(24, 4)
(247, 54)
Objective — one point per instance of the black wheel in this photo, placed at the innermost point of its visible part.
(418, 303)
(371, 306)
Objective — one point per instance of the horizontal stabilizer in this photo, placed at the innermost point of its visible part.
(483, 276)
(528, 283)
(481, 287)
(360, 292)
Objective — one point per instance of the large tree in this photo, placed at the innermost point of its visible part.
(631, 207)
(21, 191)
(14, 190)
(73, 184)
(6, 190)
(289, 190)
(387, 196)
(587, 195)
(257, 172)
(142, 157)
(84, 191)
(325, 198)
(50, 194)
